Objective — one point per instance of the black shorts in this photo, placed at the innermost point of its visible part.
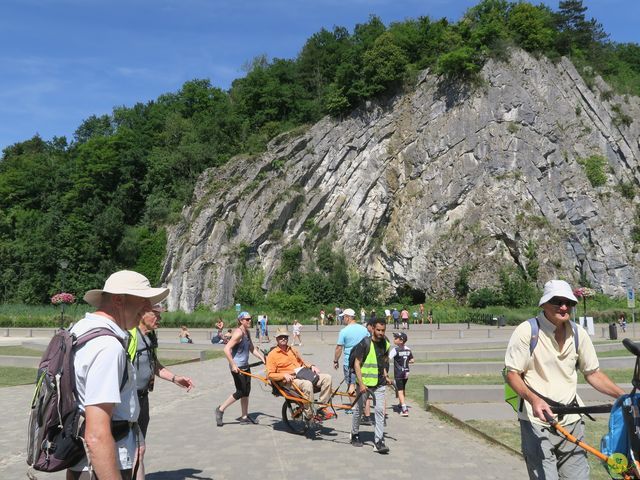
(242, 382)
(401, 383)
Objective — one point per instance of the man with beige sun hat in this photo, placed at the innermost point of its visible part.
(105, 378)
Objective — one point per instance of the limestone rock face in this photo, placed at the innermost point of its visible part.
(427, 183)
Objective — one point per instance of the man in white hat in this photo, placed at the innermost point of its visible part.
(542, 360)
(105, 378)
(348, 338)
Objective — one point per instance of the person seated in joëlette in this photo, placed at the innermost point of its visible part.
(284, 364)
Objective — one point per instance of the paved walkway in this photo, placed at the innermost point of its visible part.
(184, 442)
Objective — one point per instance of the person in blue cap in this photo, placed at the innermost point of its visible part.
(237, 352)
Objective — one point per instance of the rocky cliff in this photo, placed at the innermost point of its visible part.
(429, 182)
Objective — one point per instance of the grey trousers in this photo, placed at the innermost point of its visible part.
(378, 400)
(549, 456)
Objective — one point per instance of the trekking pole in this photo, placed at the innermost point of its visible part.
(617, 462)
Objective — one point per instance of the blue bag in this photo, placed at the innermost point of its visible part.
(623, 436)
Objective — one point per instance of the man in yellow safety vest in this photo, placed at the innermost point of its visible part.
(371, 365)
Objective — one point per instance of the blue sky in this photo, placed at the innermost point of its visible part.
(64, 60)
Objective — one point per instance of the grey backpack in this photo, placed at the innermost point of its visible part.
(54, 435)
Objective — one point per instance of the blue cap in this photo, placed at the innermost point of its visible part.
(244, 315)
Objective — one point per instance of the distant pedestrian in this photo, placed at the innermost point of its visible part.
(396, 318)
(363, 316)
(217, 338)
(405, 318)
(622, 321)
(422, 313)
(237, 352)
(266, 327)
(297, 328)
(430, 317)
(262, 321)
(372, 316)
(401, 356)
(322, 316)
(184, 335)
(227, 336)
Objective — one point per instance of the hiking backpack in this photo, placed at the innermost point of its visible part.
(510, 396)
(55, 423)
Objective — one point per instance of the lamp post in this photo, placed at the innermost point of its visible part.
(581, 258)
(63, 265)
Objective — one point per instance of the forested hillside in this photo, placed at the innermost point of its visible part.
(101, 200)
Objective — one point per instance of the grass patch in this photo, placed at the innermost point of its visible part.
(459, 360)
(12, 376)
(208, 355)
(213, 354)
(621, 375)
(457, 379)
(20, 351)
(508, 433)
(612, 353)
(615, 353)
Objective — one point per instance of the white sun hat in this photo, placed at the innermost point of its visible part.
(127, 282)
(557, 288)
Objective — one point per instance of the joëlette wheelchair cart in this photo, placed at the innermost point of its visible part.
(620, 447)
(295, 402)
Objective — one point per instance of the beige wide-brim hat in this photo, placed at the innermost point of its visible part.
(281, 332)
(556, 288)
(126, 282)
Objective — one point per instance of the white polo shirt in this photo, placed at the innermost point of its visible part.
(99, 366)
(550, 371)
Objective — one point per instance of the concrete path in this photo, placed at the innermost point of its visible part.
(184, 442)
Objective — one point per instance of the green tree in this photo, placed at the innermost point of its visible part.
(461, 284)
(94, 126)
(532, 27)
(384, 65)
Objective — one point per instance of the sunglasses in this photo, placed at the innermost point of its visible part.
(557, 301)
(283, 337)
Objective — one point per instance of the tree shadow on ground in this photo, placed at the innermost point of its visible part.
(182, 474)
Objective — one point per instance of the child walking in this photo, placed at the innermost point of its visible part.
(401, 356)
(297, 328)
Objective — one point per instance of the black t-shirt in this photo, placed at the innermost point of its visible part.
(401, 357)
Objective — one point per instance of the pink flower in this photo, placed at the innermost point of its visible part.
(60, 298)
(584, 292)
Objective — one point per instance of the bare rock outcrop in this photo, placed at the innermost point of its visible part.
(426, 183)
